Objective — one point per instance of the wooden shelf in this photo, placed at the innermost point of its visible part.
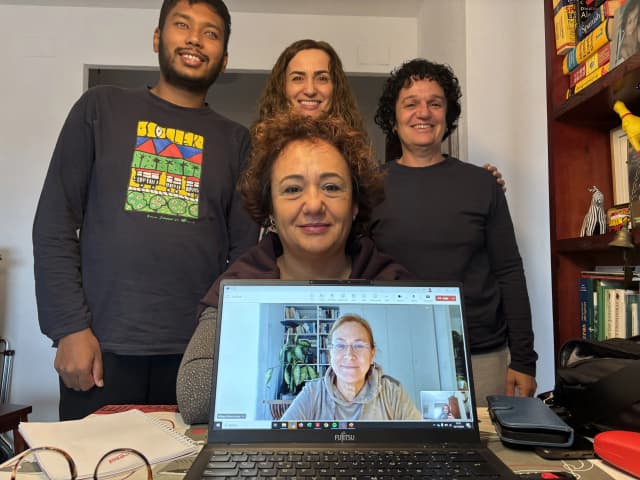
(594, 243)
(596, 249)
(580, 156)
(592, 106)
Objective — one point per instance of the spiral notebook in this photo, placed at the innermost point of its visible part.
(88, 439)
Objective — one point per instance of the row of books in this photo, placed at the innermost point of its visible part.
(330, 312)
(311, 312)
(575, 20)
(586, 34)
(306, 328)
(607, 309)
(300, 313)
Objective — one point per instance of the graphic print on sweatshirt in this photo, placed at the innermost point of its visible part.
(165, 173)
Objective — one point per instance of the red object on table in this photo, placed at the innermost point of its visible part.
(620, 449)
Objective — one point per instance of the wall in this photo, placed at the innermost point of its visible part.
(47, 49)
(438, 21)
(506, 126)
(496, 48)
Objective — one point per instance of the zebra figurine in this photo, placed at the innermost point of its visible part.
(595, 216)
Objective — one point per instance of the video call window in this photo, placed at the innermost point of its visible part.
(418, 345)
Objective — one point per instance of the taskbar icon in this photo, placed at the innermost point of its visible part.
(315, 425)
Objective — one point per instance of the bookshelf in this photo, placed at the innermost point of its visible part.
(580, 156)
(311, 322)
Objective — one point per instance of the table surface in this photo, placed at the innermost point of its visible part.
(16, 409)
(527, 461)
(520, 461)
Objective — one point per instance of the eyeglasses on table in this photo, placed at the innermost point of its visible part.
(61, 461)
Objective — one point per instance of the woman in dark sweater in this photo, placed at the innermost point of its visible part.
(449, 220)
(312, 184)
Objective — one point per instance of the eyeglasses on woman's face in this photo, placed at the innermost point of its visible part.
(359, 348)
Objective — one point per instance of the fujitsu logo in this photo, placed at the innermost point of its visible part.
(344, 437)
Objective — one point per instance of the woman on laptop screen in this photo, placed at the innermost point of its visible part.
(353, 387)
(312, 184)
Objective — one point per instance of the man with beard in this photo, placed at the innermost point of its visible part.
(138, 216)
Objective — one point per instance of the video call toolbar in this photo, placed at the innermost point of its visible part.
(346, 294)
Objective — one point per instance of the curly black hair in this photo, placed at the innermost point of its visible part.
(403, 77)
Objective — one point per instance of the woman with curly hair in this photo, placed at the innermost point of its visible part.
(449, 220)
(313, 184)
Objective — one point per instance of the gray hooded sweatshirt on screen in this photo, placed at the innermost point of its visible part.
(381, 398)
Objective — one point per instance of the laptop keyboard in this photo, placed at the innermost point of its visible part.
(349, 465)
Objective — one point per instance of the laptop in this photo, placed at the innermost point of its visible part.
(273, 338)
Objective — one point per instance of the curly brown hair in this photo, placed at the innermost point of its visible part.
(272, 135)
(403, 77)
(343, 104)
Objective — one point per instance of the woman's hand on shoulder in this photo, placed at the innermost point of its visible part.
(496, 173)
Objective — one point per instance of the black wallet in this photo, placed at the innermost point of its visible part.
(528, 421)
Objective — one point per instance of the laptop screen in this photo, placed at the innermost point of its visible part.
(397, 363)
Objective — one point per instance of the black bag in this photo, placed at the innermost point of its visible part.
(598, 384)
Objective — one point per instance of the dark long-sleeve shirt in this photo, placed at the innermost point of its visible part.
(138, 215)
(450, 222)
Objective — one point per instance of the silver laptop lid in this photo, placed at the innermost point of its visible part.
(273, 339)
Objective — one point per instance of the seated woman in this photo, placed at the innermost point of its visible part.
(353, 387)
(313, 184)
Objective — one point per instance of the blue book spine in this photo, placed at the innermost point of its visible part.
(592, 22)
(583, 12)
(585, 288)
(571, 60)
